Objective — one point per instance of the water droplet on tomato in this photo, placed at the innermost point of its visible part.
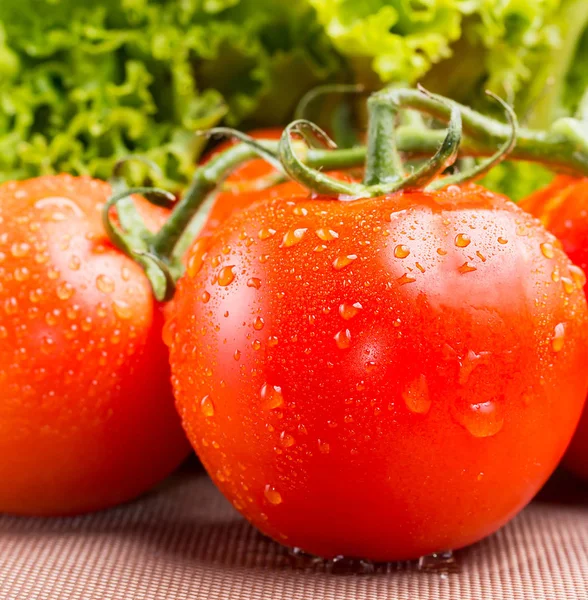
(467, 268)
(258, 323)
(401, 251)
(557, 341)
(324, 447)
(578, 276)
(196, 259)
(482, 419)
(547, 250)
(326, 235)
(293, 237)
(271, 396)
(272, 341)
(287, 440)
(226, 275)
(125, 273)
(105, 284)
(256, 344)
(52, 273)
(122, 309)
(254, 282)
(348, 311)
(266, 233)
(406, 278)
(300, 211)
(204, 297)
(65, 291)
(502, 240)
(272, 495)
(462, 240)
(568, 285)
(319, 248)
(441, 252)
(343, 261)
(21, 274)
(237, 354)
(343, 339)
(18, 250)
(480, 256)
(207, 407)
(3, 332)
(416, 396)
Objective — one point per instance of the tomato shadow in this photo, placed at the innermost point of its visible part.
(565, 489)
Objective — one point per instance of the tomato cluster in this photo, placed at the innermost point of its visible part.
(380, 377)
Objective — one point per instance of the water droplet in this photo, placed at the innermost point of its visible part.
(272, 341)
(286, 440)
(480, 256)
(196, 259)
(522, 230)
(324, 447)
(293, 237)
(300, 211)
(319, 248)
(462, 240)
(406, 278)
(226, 275)
(557, 341)
(254, 282)
(578, 276)
(348, 311)
(420, 267)
(205, 297)
(501, 240)
(125, 273)
(441, 252)
(51, 318)
(258, 323)
(401, 251)
(438, 562)
(467, 268)
(3, 332)
(65, 291)
(256, 344)
(326, 235)
(20, 249)
(483, 419)
(105, 284)
(21, 274)
(416, 396)
(237, 354)
(266, 233)
(343, 261)
(568, 285)
(207, 407)
(272, 495)
(41, 257)
(122, 309)
(226, 249)
(343, 339)
(47, 345)
(271, 396)
(216, 261)
(547, 250)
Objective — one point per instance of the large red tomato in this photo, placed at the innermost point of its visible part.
(562, 206)
(86, 412)
(380, 378)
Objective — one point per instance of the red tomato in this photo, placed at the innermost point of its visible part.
(86, 415)
(380, 378)
(562, 207)
(226, 203)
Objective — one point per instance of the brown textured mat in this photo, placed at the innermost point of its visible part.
(184, 541)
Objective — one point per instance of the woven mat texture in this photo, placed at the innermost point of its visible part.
(184, 541)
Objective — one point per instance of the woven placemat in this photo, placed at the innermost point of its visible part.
(184, 541)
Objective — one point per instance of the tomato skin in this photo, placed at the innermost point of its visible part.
(562, 207)
(86, 416)
(344, 408)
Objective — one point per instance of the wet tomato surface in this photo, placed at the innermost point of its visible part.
(562, 207)
(86, 414)
(380, 378)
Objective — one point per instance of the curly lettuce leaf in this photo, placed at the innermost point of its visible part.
(84, 84)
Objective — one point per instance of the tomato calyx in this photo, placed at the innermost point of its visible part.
(305, 152)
